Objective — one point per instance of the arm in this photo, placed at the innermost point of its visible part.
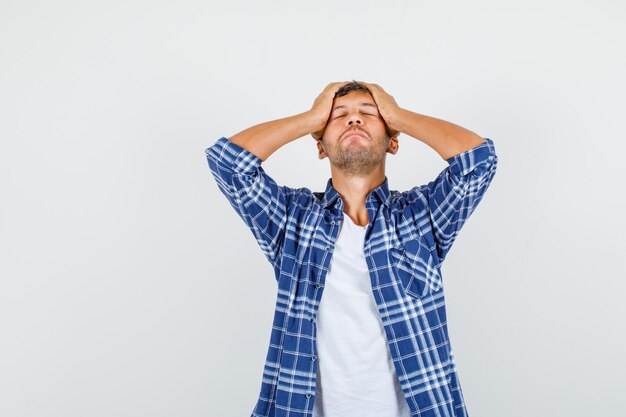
(236, 166)
(254, 195)
(452, 197)
(264, 139)
(447, 139)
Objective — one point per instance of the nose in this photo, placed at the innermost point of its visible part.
(354, 118)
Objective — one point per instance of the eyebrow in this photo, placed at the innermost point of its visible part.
(361, 104)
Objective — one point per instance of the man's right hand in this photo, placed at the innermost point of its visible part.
(322, 107)
(265, 138)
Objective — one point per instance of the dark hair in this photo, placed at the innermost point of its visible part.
(352, 86)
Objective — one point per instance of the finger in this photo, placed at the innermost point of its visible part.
(374, 90)
(334, 87)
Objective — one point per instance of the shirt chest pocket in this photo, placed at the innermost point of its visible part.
(415, 266)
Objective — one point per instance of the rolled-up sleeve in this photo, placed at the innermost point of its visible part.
(255, 196)
(454, 195)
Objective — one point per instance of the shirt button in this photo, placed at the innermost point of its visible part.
(333, 222)
(328, 247)
(313, 357)
(312, 320)
(308, 395)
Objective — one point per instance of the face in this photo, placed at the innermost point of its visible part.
(355, 138)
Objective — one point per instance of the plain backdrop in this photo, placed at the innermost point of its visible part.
(129, 286)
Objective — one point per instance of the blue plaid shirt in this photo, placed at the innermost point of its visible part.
(407, 238)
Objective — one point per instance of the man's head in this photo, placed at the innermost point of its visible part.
(355, 138)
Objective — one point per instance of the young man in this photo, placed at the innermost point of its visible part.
(360, 322)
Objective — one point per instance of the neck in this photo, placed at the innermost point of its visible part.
(354, 190)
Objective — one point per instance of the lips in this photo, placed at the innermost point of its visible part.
(354, 133)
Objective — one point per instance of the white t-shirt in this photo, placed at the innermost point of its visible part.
(355, 372)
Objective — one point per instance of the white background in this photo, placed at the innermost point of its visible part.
(130, 287)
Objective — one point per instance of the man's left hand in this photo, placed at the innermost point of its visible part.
(387, 106)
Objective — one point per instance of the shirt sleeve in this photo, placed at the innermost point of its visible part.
(255, 196)
(454, 195)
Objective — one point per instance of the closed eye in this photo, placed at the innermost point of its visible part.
(367, 114)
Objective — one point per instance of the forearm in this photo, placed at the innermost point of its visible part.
(265, 138)
(447, 139)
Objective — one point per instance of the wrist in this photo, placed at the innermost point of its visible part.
(396, 121)
(314, 122)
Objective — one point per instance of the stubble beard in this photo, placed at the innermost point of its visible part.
(357, 159)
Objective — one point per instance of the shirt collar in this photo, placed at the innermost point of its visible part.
(381, 193)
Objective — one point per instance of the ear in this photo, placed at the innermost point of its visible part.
(321, 153)
(394, 145)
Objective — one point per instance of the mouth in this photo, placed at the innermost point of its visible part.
(354, 133)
